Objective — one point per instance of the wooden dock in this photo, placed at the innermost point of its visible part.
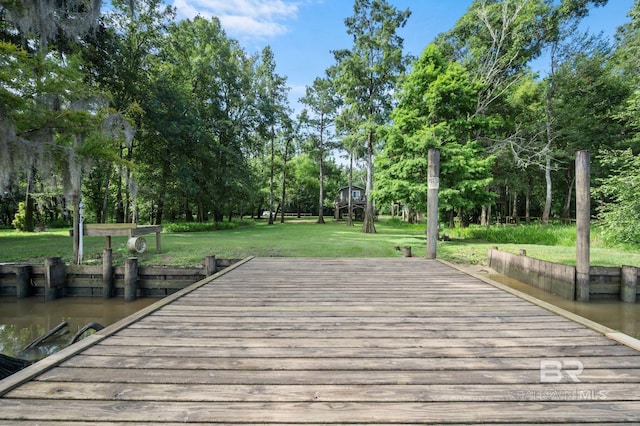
(335, 341)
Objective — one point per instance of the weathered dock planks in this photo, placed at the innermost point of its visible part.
(336, 341)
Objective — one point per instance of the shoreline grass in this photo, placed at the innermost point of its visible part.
(306, 238)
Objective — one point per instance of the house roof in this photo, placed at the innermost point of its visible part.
(352, 187)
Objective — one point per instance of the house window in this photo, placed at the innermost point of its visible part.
(355, 194)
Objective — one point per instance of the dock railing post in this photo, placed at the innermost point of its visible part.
(629, 284)
(23, 275)
(130, 279)
(55, 276)
(210, 265)
(107, 273)
(583, 225)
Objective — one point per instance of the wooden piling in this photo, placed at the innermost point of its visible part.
(54, 277)
(130, 279)
(210, 265)
(23, 279)
(433, 185)
(107, 273)
(629, 284)
(583, 225)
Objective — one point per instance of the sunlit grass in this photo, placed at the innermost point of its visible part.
(305, 238)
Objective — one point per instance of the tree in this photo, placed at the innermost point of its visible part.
(435, 107)
(323, 103)
(366, 75)
(496, 40)
(619, 204)
(273, 108)
(214, 80)
(625, 63)
(43, 82)
(51, 21)
(121, 63)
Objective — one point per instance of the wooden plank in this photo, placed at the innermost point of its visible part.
(323, 412)
(302, 377)
(341, 332)
(146, 229)
(381, 363)
(326, 393)
(114, 226)
(266, 342)
(612, 350)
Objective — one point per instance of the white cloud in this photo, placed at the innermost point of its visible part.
(243, 19)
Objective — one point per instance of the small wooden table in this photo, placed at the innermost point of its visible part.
(130, 230)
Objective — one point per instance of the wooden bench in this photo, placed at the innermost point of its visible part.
(130, 230)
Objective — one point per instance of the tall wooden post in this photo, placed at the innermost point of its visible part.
(55, 277)
(210, 265)
(130, 279)
(23, 278)
(433, 185)
(107, 273)
(583, 225)
(629, 284)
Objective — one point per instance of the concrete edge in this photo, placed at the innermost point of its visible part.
(610, 333)
(53, 360)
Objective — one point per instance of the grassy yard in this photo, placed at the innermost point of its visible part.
(305, 238)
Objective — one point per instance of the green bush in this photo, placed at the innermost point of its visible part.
(19, 221)
(204, 226)
(59, 224)
(563, 235)
(619, 204)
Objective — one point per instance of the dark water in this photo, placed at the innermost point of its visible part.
(623, 317)
(23, 320)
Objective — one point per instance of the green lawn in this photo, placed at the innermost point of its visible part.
(305, 238)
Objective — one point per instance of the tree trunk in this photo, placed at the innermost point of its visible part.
(29, 203)
(188, 216)
(105, 200)
(547, 201)
(350, 209)
(566, 208)
(368, 226)
(271, 173)
(527, 204)
(321, 203)
(119, 200)
(284, 181)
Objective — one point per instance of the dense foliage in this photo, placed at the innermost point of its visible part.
(137, 116)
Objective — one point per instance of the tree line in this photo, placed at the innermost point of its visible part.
(144, 118)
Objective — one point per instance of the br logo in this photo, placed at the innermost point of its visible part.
(555, 371)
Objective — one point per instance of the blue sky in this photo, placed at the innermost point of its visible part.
(302, 33)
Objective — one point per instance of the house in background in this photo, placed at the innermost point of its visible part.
(358, 202)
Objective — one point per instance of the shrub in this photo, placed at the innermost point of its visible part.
(19, 221)
(59, 224)
(518, 234)
(205, 226)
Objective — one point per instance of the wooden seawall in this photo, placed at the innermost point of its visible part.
(335, 341)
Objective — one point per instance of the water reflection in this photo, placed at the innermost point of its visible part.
(623, 317)
(23, 320)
